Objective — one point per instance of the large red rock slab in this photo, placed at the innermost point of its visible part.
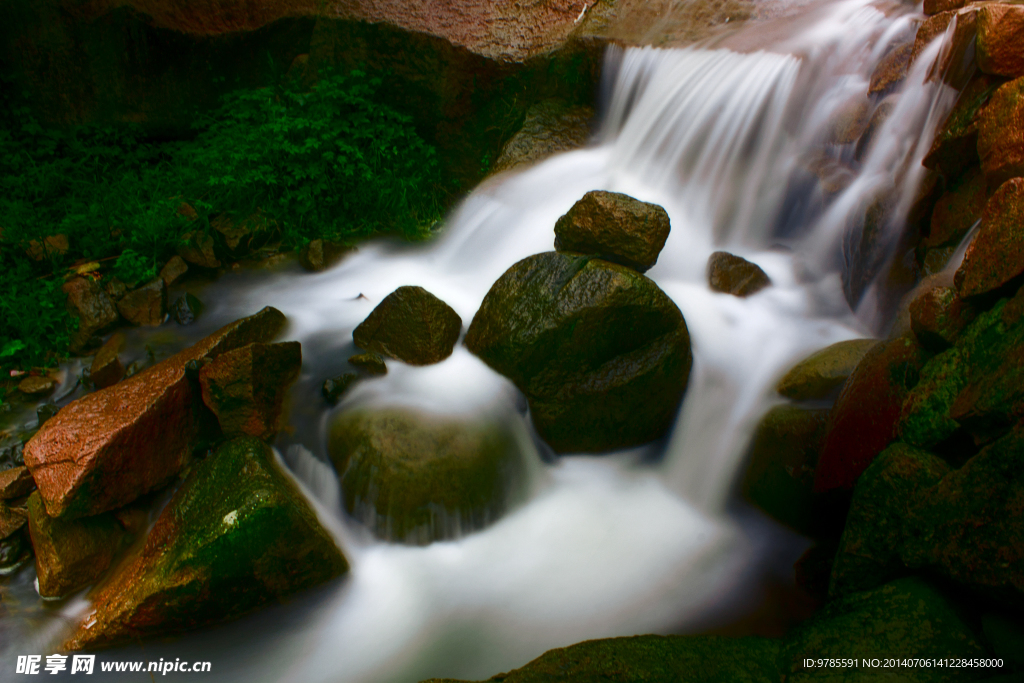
(864, 418)
(1001, 134)
(996, 255)
(1000, 48)
(108, 448)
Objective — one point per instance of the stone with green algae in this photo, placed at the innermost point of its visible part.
(824, 371)
(925, 420)
(237, 535)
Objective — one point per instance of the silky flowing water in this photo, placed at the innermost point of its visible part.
(650, 540)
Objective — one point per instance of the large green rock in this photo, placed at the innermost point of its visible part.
(907, 618)
(602, 354)
(925, 420)
(869, 550)
(235, 536)
(824, 371)
(412, 325)
(416, 478)
(654, 659)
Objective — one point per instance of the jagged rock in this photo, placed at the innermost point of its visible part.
(11, 520)
(173, 270)
(186, 309)
(957, 210)
(735, 275)
(955, 147)
(146, 305)
(1001, 134)
(1000, 48)
(924, 420)
(411, 325)
(93, 308)
(602, 354)
(780, 474)
(320, 255)
(245, 388)
(197, 249)
(864, 418)
(115, 289)
(891, 70)
(335, 387)
(236, 535)
(938, 316)
(37, 386)
(71, 554)
(106, 369)
(415, 478)
(107, 448)
(869, 550)
(15, 483)
(996, 254)
(551, 126)
(821, 373)
(614, 227)
(370, 363)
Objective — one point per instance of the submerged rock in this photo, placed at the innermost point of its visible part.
(71, 554)
(237, 535)
(416, 478)
(824, 371)
(735, 275)
(614, 227)
(891, 70)
(602, 354)
(411, 325)
(245, 388)
(110, 447)
(106, 369)
(146, 305)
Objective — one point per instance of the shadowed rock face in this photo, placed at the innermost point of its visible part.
(110, 447)
(602, 354)
(411, 325)
(235, 536)
(824, 371)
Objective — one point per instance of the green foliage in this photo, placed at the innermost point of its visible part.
(329, 163)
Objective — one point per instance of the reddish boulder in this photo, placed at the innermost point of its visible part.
(90, 304)
(933, 27)
(936, 6)
(1001, 134)
(37, 386)
(197, 249)
(106, 369)
(146, 305)
(15, 483)
(110, 447)
(1000, 48)
(938, 316)
(245, 388)
(996, 255)
(957, 210)
(864, 418)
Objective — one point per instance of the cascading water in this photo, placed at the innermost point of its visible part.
(634, 542)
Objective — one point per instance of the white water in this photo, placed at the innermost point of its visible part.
(629, 543)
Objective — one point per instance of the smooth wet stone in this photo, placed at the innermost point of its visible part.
(245, 388)
(411, 325)
(996, 254)
(106, 369)
(186, 309)
(15, 483)
(821, 373)
(71, 554)
(107, 448)
(551, 126)
(145, 305)
(869, 550)
(173, 270)
(735, 275)
(416, 478)
(335, 387)
(614, 227)
(90, 304)
(370, 363)
(237, 535)
(37, 386)
(602, 354)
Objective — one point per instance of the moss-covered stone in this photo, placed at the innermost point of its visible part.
(602, 354)
(869, 550)
(71, 554)
(653, 659)
(938, 316)
(780, 475)
(411, 325)
(416, 478)
(925, 420)
(236, 535)
(824, 371)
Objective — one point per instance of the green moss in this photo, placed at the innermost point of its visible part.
(925, 421)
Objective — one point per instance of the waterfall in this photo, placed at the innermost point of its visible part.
(727, 140)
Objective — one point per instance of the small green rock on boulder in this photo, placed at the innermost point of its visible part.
(602, 354)
(411, 325)
(614, 227)
(237, 535)
(416, 478)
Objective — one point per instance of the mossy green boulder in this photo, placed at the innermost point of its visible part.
(416, 478)
(823, 372)
(925, 420)
(236, 535)
(602, 354)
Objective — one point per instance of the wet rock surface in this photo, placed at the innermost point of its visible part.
(551, 126)
(614, 227)
(107, 369)
(1000, 48)
(370, 363)
(996, 255)
(186, 309)
(146, 305)
(236, 535)
(416, 478)
(93, 308)
(602, 354)
(823, 372)
(411, 325)
(15, 482)
(731, 274)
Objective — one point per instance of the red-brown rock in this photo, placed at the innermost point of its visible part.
(11, 520)
(1000, 48)
(938, 316)
(957, 210)
(197, 249)
(37, 386)
(891, 70)
(173, 270)
(108, 448)
(106, 369)
(15, 483)
(936, 6)
(955, 147)
(996, 255)
(1001, 134)
(245, 388)
(90, 304)
(864, 418)
(146, 305)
